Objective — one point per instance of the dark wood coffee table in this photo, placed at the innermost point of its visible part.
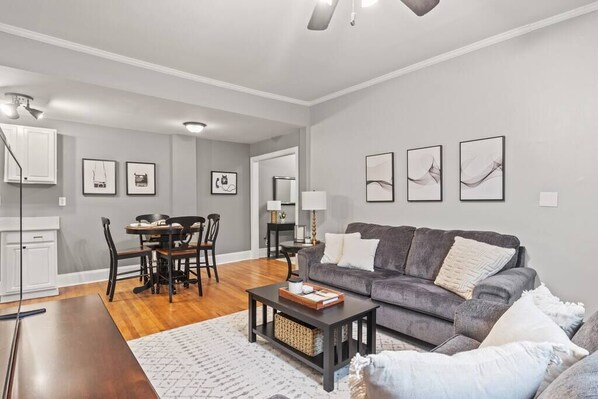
(329, 320)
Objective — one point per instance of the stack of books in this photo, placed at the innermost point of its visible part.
(323, 296)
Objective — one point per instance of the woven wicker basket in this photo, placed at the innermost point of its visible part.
(302, 336)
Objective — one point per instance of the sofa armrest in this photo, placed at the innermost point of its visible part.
(475, 318)
(307, 257)
(507, 286)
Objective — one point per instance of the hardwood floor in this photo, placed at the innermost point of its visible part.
(137, 315)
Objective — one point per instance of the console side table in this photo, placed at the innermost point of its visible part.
(276, 228)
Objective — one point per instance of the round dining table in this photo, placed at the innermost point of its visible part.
(163, 230)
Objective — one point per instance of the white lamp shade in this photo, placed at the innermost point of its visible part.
(313, 200)
(274, 205)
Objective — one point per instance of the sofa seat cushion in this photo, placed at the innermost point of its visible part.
(393, 246)
(417, 294)
(430, 247)
(354, 280)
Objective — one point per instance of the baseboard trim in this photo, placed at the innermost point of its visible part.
(93, 276)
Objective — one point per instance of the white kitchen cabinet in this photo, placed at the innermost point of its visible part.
(39, 251)
(35, 148)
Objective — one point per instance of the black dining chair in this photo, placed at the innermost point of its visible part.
(181, 247)
(209, 245)
(151, 241)
(116, 255)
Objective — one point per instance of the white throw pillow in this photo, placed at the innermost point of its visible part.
(569, 316)
(359, 253)
(525, 322)
(469, 262)
(511, 371)
(333, 249)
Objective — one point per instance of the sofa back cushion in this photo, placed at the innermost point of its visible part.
(430, 247)
(587, 335)
(579, 381)
(393, 247)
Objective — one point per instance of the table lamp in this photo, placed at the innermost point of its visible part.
(274, 207)
(313, 201)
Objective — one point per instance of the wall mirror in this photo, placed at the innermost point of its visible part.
(285, 189)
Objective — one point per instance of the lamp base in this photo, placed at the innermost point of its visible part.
(273, 217)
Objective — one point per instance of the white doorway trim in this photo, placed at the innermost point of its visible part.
(255, 193)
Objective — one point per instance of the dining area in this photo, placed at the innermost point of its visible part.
(172, 251)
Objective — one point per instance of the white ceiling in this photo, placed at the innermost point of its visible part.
(264, 44)
(85, 103)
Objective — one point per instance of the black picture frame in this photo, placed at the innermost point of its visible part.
(218, 188)
(86, 189)
(275, 180)
(441, 180)
(371, 180)
(484, 174)
(150, 183)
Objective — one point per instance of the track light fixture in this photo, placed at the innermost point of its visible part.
(10, 109)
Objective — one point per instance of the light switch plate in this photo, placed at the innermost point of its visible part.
(61, 201)
(549, 199)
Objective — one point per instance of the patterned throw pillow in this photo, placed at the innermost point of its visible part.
(469, 262)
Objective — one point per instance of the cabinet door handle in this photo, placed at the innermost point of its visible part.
(25, 178)
(37, 237)
(24, 247)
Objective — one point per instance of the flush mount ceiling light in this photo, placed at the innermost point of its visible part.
(10, 109)
(194, 127)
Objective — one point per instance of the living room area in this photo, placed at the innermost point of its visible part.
(316, 199)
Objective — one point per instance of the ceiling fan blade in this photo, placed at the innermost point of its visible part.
(421, 7)
(322, 14)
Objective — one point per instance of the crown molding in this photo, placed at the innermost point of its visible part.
(513, 33)
(461, 51)
(40, 37)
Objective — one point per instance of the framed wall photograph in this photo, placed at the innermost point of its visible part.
(224, 183)
(141, 178)
(424, 174)
(482, 169)
(99, 176)
(379, 177)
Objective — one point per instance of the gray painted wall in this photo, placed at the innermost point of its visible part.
(540, 90)
(81, 244)
(233, 209)
(183, 187)
(298, 138)
(283, 166)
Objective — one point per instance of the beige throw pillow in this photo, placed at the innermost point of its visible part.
(333, 250)
(359, 254)
(469, 262)
(525, 322)
(569, 316)
(512, 371)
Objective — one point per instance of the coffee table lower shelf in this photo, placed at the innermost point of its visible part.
(330, 320)
(266, 331)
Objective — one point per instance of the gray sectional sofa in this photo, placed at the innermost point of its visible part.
(475, 318)
(407, 262)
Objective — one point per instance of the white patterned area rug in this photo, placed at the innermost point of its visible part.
(214, 359)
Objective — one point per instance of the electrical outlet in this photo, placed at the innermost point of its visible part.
(61, 201)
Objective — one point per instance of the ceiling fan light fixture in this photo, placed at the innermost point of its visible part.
(368, 3)
(195, 127)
